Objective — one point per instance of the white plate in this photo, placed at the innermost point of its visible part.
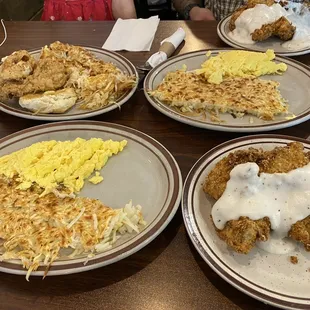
(271, 43)
(145, 172)
(12, 106)
(294, 86)
(267, 277)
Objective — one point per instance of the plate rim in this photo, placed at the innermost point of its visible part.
(221, 33)
(231, 279)
(162, 108)
(162, 222)
(62, 117)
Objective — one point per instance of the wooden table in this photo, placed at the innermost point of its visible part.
(168, 273)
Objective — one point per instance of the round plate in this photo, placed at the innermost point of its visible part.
(268, 277)
(12, 106)
(294, 86)
(271, 43)
(145, 172)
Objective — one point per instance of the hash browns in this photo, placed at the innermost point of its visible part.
(37, 229)
(190, 92)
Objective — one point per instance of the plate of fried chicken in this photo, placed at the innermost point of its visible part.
(65, 82)
(246, 208)
(283, 26)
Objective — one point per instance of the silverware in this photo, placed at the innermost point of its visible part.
(167, 47)
(143, 71)
(145, 68)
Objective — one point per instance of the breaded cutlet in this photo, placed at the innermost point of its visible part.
(279, 160)
(281, 28)
(300, 231)
(250, 4)
(242, 234)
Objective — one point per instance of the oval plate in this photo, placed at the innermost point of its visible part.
(145, 172)
(267, 277)
(294, 87)
(271, 43)
(12, 107)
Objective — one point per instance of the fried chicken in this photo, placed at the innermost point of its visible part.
(96, 82)
(242, 234)
(50, 74)
(11, 89)
(282, 28)
(250, 4)
(17, 66)
(300, 231)
(278, 160)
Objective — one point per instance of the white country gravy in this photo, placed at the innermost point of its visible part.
(255, 18)
(261, 14)
(282, 197)
(301, 37)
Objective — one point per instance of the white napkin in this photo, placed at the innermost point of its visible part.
(176, 39)
(132, 34)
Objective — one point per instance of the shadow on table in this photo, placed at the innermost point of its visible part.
(238, 298)
(94, 279)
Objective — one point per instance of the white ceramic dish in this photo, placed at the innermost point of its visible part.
(145, 172)
(267, 277)
(294, 87)
(271, 43)
(12, 106)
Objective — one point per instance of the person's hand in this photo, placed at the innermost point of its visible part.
(198, 13)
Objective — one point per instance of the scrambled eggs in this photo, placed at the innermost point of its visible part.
(53, 163)
(240, 64)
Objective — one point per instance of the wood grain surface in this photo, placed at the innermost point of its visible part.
(168, 273)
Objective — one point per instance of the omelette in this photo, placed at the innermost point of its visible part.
(56, 165)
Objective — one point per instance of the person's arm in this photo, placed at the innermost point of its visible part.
(190, 9)
(124, 9)
(181, 5)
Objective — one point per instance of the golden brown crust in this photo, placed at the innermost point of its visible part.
(242, 234)
(278, 160)
(282, 28)
(34, 228)
(64, 66)
(11, 89)
(300, 232)
(189, 91)
(17, 66)
(294, 260)
(50, 74)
